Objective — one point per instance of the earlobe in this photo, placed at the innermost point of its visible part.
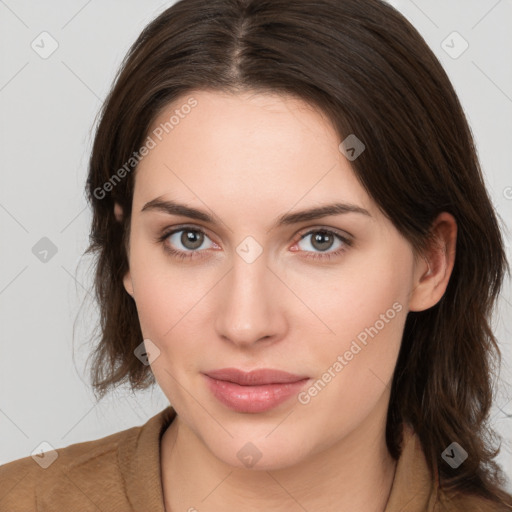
(118, 212)
(432, 272)
(128, 284)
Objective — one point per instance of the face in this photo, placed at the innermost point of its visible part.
(250, 284)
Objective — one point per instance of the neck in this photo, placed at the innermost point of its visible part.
(356, 473)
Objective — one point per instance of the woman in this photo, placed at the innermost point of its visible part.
(295, 242)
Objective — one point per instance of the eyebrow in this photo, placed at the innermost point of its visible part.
(175, 208)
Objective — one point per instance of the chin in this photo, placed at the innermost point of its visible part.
(254, 455)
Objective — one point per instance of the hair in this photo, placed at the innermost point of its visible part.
(370, 72)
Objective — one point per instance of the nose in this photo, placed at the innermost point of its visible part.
(250, 305)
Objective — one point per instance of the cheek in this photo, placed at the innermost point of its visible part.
(365, 307)
(164, 292)
(166, 307)
(356, 364)
(355, 295)
(163, 304)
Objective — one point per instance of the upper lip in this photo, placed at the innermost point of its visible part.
(255, 377)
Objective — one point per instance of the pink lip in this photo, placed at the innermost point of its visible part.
(256, 391)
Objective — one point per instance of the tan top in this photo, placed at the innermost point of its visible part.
(121, 473)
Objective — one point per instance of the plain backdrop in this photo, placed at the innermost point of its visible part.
(48, 105)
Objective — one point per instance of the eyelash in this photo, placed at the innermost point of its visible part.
(189, 255)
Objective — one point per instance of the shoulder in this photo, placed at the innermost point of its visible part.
(69, 476)
(417, 487)
(454, 502)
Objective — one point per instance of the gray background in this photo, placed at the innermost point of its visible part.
(48, 108)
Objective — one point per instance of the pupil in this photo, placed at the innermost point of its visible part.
(191, 239)
(322, 238)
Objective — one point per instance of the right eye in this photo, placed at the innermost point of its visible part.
(185, 241)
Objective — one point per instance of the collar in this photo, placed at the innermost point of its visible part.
(139, 460)
(414, 487)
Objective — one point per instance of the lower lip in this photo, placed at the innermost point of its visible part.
(253, 398)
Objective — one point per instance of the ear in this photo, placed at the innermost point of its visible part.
(433, 268)
(118, 212)
(128, 283)
(127, 280)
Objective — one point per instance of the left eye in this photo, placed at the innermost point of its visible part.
(322, 241)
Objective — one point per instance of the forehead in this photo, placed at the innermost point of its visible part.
(249, 148)
(276, 122)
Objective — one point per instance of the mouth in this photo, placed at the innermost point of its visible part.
(255, 391)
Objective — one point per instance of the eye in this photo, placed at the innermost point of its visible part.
(185, 242)
(323, 240)
(190, 239)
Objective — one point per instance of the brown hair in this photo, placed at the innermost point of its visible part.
(366, 67)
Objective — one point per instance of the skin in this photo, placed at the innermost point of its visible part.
(247, 159)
